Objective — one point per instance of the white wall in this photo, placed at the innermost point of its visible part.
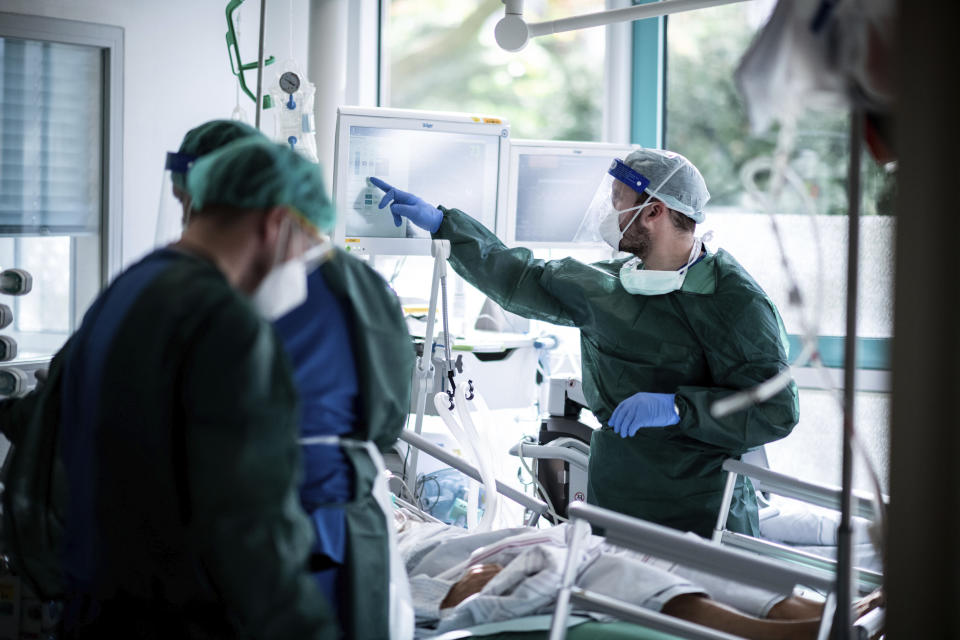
(176, 75)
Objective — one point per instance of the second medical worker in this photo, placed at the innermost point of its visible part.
(665, 333)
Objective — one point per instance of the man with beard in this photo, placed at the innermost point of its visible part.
(665, 333)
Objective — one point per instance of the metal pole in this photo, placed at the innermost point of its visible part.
(603, 18)
(842, 621)
(263, 13)
(419, 443)
(441, 251)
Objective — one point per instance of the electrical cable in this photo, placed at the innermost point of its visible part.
(557, 518)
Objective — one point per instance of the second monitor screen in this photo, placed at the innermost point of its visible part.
(451, 169)
(553, 193)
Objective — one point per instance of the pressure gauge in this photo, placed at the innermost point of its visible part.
(289, 82)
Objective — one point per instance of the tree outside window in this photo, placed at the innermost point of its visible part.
(443, 57)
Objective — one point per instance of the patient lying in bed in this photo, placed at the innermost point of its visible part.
(459, 579)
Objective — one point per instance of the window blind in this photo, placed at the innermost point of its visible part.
(50, 138)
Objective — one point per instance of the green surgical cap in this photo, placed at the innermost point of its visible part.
(254, 173)
(209, 137)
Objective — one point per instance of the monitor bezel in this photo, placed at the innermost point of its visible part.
(414, 120)
(520, 146)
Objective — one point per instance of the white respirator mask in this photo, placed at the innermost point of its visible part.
(609, 227)
(284, 288)
(649, 282)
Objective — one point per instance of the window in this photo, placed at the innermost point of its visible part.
(57, 151)
(442, 57)
(706, 121)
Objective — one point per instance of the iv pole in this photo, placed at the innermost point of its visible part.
(263, 13)
(842, 619)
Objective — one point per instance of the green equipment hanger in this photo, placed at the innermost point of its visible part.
(233, 51)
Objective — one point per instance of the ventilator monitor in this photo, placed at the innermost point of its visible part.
(448, 159)
(550, 186)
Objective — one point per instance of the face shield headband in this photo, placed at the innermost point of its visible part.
(173, 212)
(637, 209)
(602, 219)
(179, 162)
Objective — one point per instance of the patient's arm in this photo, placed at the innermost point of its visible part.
(702, 610)
(791, 618)
(472, 582)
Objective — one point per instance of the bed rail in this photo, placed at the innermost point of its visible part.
(827, 567)
(783, 485)
(789, 487)
(671, 545)
(560, 449)
(537, 507)
(697, 553)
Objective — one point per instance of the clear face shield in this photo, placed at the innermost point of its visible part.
(619, 191)
(173, 213)
(299, 250)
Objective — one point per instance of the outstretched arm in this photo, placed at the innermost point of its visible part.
(509, 277)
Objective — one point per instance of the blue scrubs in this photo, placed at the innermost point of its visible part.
(318, 341)
(81, 395)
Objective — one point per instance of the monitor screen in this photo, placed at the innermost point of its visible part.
(553, 193)
(454, 169)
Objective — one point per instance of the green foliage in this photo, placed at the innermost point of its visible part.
(707, 122)
(443, 58)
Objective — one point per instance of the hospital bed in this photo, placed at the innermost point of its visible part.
(586, 629)
(691, 551)
(814, 558)
(637, 623)
(561, 452)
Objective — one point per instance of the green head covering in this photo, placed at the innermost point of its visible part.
(254, 173)
(209, 137)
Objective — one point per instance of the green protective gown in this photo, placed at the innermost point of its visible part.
(198, 524)
(720, 333)
(385, 360)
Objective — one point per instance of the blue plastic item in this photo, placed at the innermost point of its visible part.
(409, 206)
(644, 410)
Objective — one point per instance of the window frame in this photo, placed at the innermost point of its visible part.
(648, 128)
(110, 40)
(616, 117)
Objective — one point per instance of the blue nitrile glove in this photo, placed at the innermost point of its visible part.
(644, 410)
(409, 206)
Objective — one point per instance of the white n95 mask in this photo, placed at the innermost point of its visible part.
(609, 228)
(648, 282)
(282, 290)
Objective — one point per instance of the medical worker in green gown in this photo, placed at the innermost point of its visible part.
(664, 333)
(154, 480)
